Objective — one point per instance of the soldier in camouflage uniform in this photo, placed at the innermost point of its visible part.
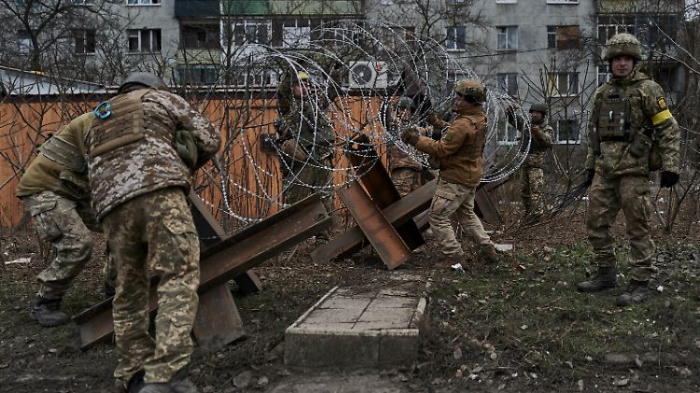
(404, 169)
(307, 140)
(461, 165)
(629, 117)
(143, 149)
(541, 134)
(54, 189)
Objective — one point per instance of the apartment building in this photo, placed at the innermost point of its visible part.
(530, 50)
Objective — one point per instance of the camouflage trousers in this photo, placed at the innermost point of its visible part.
(607, 196)
(60, 221)
(532, 184)
(154, 234)
(405, 180)
(458, 200)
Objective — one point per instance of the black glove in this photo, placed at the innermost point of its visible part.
(436, 135)
(589, 177)
(668, 179)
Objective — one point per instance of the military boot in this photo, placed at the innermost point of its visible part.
(489, 254)
(450, 260)
(134, 384)
(636, 292)
(605, 278)
(47, 312)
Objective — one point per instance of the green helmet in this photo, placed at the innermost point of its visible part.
(406, 102)
(143, 78)
(623, 44)
(471, 88)
(542, 108)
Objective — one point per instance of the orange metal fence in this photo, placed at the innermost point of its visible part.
(251, 174)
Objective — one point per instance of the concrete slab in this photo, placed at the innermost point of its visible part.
(358, 327)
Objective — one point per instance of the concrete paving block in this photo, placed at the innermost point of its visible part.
(349, 327)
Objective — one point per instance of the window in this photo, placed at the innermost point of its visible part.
(24, 42)
(562, 83)
(562, 1)
(396, 38)
(455, 2)
(608, 26)
(507, 38)
(83, 2)
(142, 41)
(507, 134)
(568, 131)
(84, 41)
(252, 32)
(198, 74)
(296, 33)
(200, 37)
(506, 1)
(456, 38)
(508, 83)
(143, 2)
(563, 37)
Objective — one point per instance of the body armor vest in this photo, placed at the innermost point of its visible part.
(123, 126)
(64, 153)
(614, 118)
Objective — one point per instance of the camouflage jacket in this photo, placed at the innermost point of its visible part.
(649, 119)
(138, 155)
(60, 165)
(461, 148)
(306, 120)
(541, 142)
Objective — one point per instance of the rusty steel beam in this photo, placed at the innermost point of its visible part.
(218, 322)
(379, 186)
(397, 214)
(226, 259)
(210, 232)
(384, 238)
(484, 207)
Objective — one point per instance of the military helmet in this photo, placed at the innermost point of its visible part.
(143, 78)
(539, 107)
(471, 88)
(406, 102)
(302, 77)
(623, 44)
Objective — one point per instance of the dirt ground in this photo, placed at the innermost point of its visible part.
(517, 327)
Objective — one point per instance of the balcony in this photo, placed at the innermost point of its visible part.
(196, 8)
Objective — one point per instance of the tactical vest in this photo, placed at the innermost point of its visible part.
(122, 126)
(64, 153)
(614, 117)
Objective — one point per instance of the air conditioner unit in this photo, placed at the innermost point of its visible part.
(368, 75)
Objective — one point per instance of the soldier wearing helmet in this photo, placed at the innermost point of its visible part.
(532, 174)
(142, 151)
(306, 138)
(632, 133)
(55, 192)
(460, 151)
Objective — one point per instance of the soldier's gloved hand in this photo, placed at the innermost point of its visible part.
(668, 179)
(436, 135)
(410, 136)
(590, 174)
